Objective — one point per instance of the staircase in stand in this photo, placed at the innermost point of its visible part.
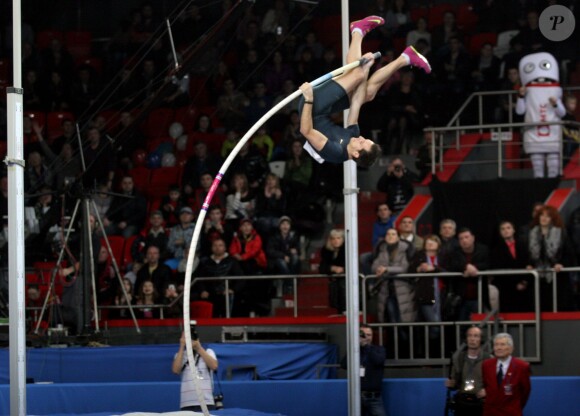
(312, 299)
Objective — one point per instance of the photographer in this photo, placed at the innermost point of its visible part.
(372, 361)
(205, 363)
(396, 182)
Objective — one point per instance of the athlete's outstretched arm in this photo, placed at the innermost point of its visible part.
(316, 139)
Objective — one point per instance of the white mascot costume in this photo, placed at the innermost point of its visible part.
(540, 98)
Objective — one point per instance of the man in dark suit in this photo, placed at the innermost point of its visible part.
(515, 291)
(506, 380)
(469, 258)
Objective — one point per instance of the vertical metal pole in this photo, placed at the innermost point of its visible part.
(351, 245)
(14, 161)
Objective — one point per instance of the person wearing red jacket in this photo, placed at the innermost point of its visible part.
(246, 247)
(506, 380)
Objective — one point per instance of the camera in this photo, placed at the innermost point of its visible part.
(218, 400)
(398, 168)
(192, 325)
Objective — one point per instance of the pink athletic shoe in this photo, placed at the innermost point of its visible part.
(416, 59)
(367, 24)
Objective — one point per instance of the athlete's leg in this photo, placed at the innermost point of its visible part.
(409, 57)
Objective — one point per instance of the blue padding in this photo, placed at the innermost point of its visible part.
(403, 397)
(279, 361)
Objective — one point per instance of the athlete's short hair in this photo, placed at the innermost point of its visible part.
(366, 158)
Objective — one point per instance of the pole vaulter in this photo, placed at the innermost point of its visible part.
(216, 182)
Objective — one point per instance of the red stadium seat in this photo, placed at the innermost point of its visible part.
(141, 176)
(198, 90)
(479, 39)
(466, 18)
(161, 179)
(44, 38)
(153, 144)
(201, 309)
(78, 43)
(117, 243)
(36, 116)
(436, 12)
(54, 121)
(158, 122)
(127, 258)
(187, 116)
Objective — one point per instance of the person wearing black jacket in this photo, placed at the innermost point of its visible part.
(396, 182)
(372, 361)
(127, 212)
(469, 259)
(218, 264)
(515, 291)
(333, 261)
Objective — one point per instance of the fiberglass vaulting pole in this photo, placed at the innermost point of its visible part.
(351, 241)
(15, 162)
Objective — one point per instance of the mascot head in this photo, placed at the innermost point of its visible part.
(539, 67)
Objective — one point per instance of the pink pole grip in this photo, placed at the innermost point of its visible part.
(214, 186)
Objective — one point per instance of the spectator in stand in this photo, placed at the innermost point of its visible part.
(216, 83)
(420, 32)
(205, 183)
(171, 205)
(218, 264)
(307, 66)
(230, 106)
(406, 115)
(511, 82)
(249, 39)
(146, 297)
(470, 258)
(398, 19)
(127, 94)
(270, 205)
(201, 162)
(102, 200)
(407, 232)
(276, 18)
(550, 248)
(154, 271)
(33, 95)
(99, 160)
(443, 33)
(298, 170)
(180, 237)
(69, 135)
(429, 292)
(154, 234)
(384, 221)
(173, 307)
(574, 233)
(57, 93)
(283, 251)
(264, 143)
(316, 47)
(484, 74)
(277, 74)
(128, 211)
(530, 35)
(396, 183)
(333, 261)
(121, 300)
(252, 164)
(85, 89)
(453, 72)
(248, 72)
(292, 130)
(38, 174)
(57, 59)
(232, 138)
(396, 297)
(258, 104)
(148, 82)
(106, 279)
(515, 291)
(329, 61)
(247, 248)
(571, 134)
(515, 54)
(241, 203)
(447, 234)
(214, 227)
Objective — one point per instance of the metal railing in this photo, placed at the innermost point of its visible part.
(407, 330)
(454, 126)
